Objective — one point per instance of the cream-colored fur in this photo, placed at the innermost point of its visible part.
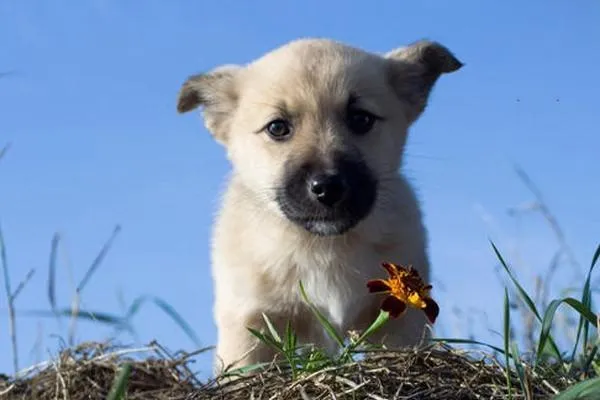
(258, 255)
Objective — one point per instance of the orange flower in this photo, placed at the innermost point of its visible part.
(404, 287)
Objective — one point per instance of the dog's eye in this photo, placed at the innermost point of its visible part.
(360, 122)
(279, 129)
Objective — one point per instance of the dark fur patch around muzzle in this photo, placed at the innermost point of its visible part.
(327, 200)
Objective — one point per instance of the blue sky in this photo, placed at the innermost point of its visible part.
(90, 111)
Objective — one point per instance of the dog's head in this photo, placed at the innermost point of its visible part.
(315, 128)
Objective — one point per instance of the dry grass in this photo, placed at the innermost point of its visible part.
(87, 372)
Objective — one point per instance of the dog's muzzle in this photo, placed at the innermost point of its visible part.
(328, 201)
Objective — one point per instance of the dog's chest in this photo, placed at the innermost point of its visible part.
(334, 278)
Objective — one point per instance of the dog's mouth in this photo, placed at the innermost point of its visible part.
(328, 202)
(324, 226)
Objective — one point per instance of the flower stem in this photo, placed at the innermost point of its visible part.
(382, 318)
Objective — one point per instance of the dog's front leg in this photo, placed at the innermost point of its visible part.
(236, 346)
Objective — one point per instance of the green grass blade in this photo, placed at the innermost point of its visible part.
(22, 284)
(119, 387)
(136, 306)
(507, 341)
(324, 321)
(246, 369)
(268, 340)
(272, 329)
(526, 298)
(519, 368)
(10, 303)
(258, 334)
(589, 359)
(289, 348)
(522, 293)
(468, 341)
(290, 338)
(588, 390)
(175, 316)
(596, 256)
(317, 360)
(381, 319)
(583, 311)
(586, 299)
(167, 309)
(92, 316)
(99, 258)
(4, 150)
(4, 265)
(52, 272)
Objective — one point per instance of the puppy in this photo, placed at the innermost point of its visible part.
(315, 131)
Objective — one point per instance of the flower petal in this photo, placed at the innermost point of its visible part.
(391, 269)
(425, 290)
(413, 273)
(394, 306)
(431, 309)
(378, 286)
(415, 300)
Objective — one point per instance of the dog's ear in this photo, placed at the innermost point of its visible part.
(214, 91)
(416, 68)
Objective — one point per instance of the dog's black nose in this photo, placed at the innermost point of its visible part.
(328, 189)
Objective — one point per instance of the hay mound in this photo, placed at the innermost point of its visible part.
(88, 372)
